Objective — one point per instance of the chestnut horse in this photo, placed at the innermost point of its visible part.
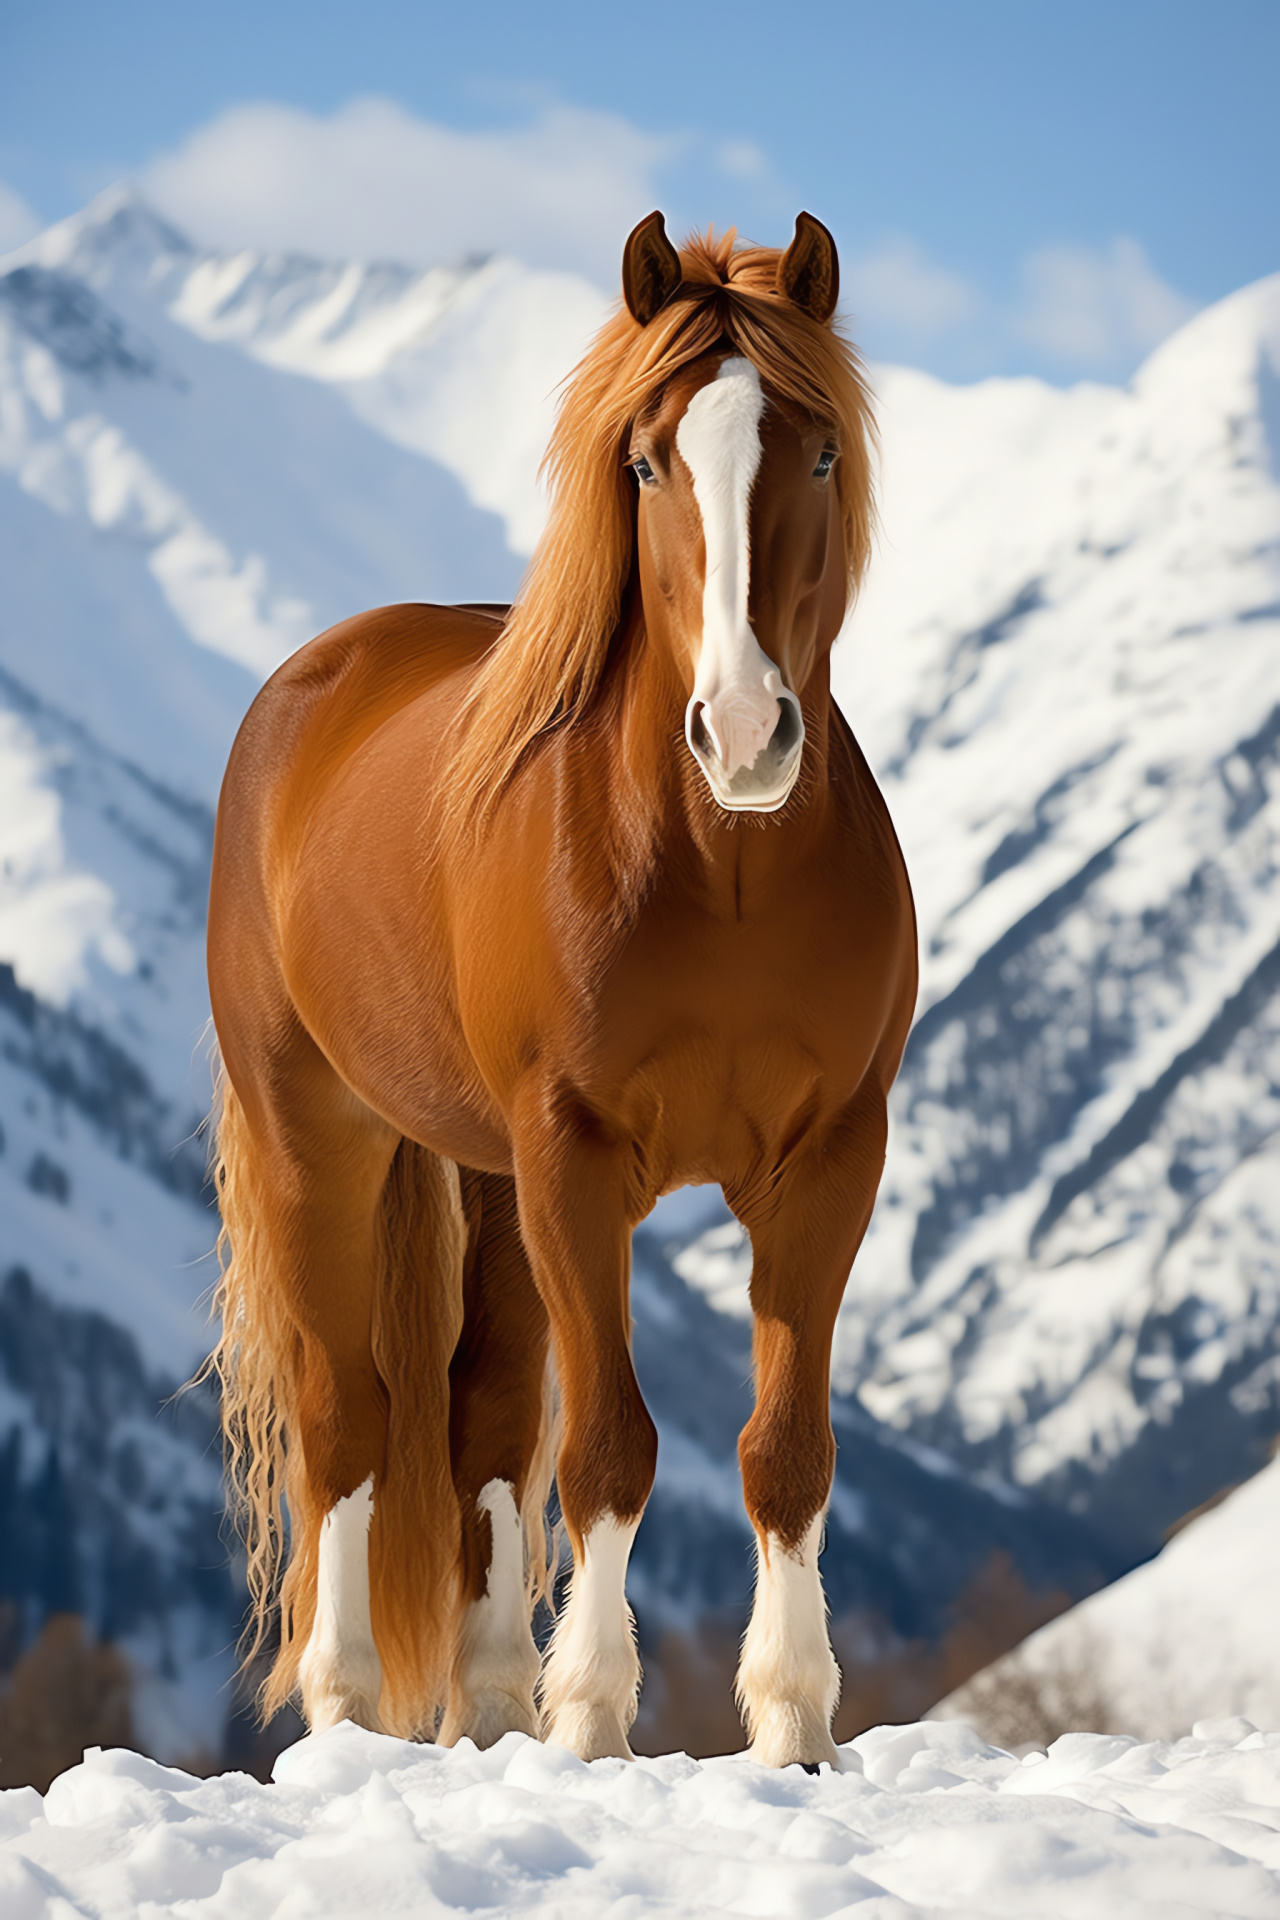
(516, 924)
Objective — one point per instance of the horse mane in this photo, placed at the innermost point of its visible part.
(550, 657)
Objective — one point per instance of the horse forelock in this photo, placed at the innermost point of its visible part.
(550, 658)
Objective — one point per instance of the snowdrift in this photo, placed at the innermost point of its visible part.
(921, 1821)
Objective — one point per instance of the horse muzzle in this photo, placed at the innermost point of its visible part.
(747, 737)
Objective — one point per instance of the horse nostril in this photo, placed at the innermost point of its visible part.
(748, 748)
(701, 735)
(786, 735)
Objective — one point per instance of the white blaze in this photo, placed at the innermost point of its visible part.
(736, 686)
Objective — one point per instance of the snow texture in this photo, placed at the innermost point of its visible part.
(920, 1821)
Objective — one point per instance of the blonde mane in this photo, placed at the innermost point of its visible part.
(548, 662)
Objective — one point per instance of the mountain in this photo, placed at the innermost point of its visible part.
(1072, 1278)
(1061, 1333)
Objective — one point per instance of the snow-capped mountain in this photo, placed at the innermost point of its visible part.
(1061, 1333)
(1067, 666)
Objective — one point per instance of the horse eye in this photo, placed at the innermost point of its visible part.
(826, 461)
(643, 471)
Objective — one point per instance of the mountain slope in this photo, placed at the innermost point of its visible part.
(1077, 1242)
(1188, 1637)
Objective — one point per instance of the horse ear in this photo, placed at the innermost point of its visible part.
(809, 270)
(650, 269)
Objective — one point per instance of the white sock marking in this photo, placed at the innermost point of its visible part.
(591, 1682)
(736, 685)
(491, 1692)
(788, 1680)
(340, 1671)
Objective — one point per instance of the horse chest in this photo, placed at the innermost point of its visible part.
(707, 1036)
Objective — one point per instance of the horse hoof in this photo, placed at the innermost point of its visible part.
(331, 1709)
(486, 1717)
(793, 1735)
(592, 1732)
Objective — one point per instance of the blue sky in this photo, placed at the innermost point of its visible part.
(1014, 185)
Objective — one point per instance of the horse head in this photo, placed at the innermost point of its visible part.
(739, 530)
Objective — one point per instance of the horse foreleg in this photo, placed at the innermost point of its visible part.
(575, 1218)
(498, 1416)
(805, 1231)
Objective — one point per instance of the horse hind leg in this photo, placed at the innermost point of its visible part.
(340, 1672)
(303, 1409)
(415, 1541)
(387, 1569)
(502, 1439)
(322, 1213)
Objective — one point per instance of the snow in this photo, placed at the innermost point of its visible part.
(1187, 1637)
(921, 1820)
(49, 912)
(119, 1243)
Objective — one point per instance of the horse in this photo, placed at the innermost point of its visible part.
(519, 919)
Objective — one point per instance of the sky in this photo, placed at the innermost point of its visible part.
(1015, 186)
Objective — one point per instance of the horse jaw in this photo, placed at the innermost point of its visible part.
(742, 725)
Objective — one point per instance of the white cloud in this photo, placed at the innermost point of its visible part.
(374, 182)
(17, 221)
(1096, 309)
(1080, 310)
(899, 286)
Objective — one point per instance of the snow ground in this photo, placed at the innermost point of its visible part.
(922, 1820)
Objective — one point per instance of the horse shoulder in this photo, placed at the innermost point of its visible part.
(342, 686)
(326, 700)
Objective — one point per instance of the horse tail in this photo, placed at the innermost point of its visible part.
(415, 1544)
(255, 1364)
(543, 1545)
(414, 1541)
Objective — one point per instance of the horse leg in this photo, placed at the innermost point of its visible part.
(341, 1430)
(805, 1230)
(500, 1441)
(575, 1210)
(301, 1170)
